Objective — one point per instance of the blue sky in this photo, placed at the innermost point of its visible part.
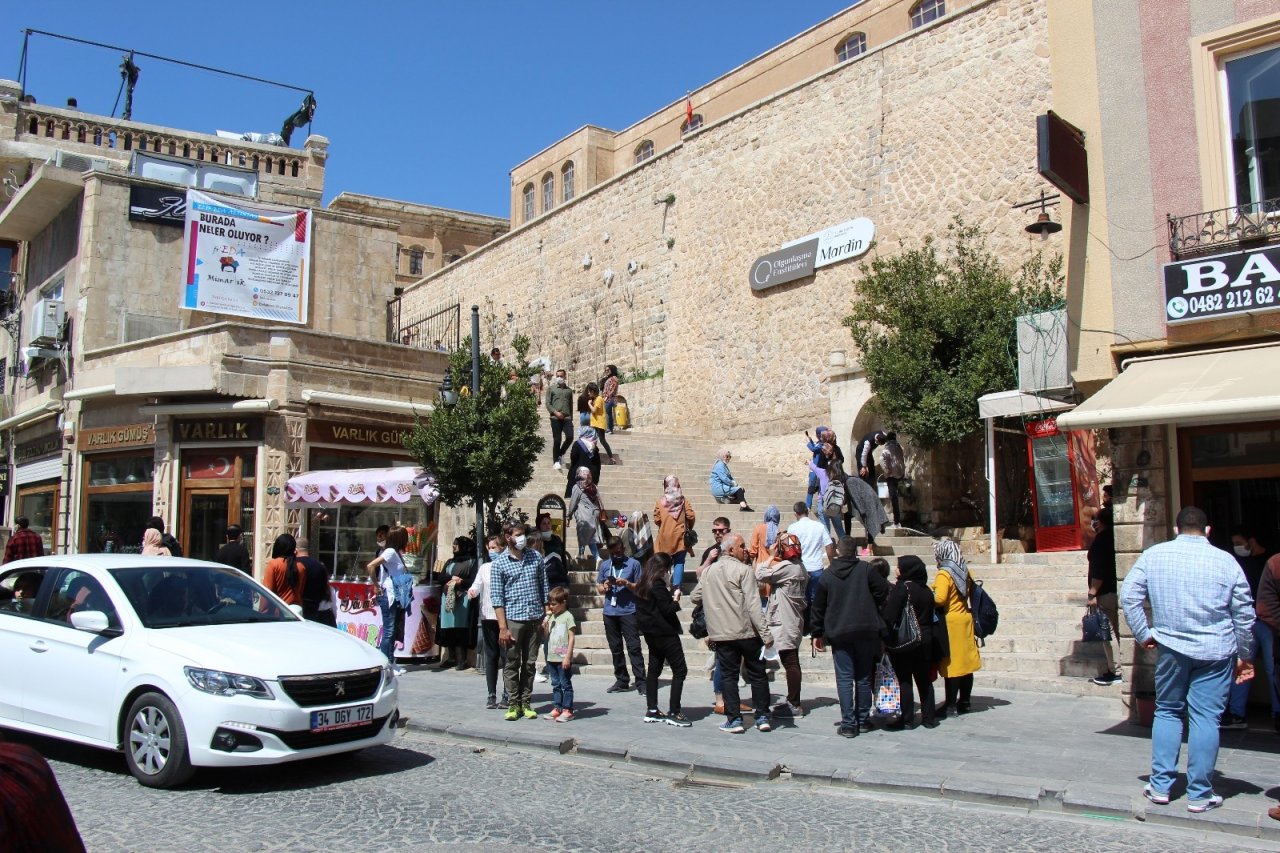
(430, 102)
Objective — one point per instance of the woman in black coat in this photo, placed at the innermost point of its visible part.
(912, 590)
(583, 453)
(657, 619)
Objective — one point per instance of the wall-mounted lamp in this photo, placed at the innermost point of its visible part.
(586, 262)
(1044, 226)
(633, 267)
(608, 277)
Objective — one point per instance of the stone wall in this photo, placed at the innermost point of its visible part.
(938, 124)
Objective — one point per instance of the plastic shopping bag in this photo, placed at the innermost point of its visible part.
(888, 694)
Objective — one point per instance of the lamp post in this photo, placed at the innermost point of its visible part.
(475, 395)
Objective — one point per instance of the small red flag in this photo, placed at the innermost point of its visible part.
(688, 110)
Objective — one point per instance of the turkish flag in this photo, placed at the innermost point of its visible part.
(688, 111)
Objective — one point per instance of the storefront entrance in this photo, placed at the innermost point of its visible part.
(217, 490)
(1233, 474)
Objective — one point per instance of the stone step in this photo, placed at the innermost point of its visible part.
(1062, 685)
(1080, 667)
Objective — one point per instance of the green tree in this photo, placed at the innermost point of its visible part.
(484, 447)
(937, 330)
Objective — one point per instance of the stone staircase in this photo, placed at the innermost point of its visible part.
(1041, 596)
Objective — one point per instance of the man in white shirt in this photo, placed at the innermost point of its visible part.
(815, 546)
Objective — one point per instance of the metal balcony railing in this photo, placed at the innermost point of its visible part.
(440, 330)
(1217, 230)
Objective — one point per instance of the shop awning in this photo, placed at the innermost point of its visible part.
(360, 486)
(1014, 404)
(1224, 386)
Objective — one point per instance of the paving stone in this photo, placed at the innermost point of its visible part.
(1100, 799)
(748, 769)
(904, 781)
(657, 754)
(987, 790)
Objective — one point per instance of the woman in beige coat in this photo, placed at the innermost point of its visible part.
(785, 617)
(674, 518)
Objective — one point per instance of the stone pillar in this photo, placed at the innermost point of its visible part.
(282, 446)
(1141, 504)
(165, 475)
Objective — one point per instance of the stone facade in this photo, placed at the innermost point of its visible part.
(934, 124)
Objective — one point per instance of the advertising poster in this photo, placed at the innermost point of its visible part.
(245, 259)
(358, 614)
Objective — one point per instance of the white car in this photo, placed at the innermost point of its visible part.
(181, 664)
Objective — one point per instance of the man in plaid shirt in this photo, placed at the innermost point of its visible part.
(24, 542)
(518, 592)
(1202, 626)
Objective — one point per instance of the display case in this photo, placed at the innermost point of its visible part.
(1062, 483)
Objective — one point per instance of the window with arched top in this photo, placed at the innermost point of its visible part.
(548, 192)
(644, 151)
(692, 124)
(926, 11)
(566, 181)
(527, 201)
(854, 45)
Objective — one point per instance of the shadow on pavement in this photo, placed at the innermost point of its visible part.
(312, 772)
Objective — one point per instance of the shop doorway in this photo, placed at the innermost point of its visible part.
(217, 490)
(1233, 474)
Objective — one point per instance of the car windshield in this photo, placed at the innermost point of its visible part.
(175, 597)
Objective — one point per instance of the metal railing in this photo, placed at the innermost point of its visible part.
(440, 330)
(1214, 230)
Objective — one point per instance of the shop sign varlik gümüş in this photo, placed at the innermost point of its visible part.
(1223, 285)
(800, 258)
(218, 429)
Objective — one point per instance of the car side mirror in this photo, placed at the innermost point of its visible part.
(93, 622)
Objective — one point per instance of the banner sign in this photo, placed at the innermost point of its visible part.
(245, 259)
(784, 265)
(840, 242)
(158, 205)
(1222, 286)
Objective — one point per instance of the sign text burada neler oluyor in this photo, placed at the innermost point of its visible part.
(1222, 286)
(246, 259)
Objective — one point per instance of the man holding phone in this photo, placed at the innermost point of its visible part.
(614, 580)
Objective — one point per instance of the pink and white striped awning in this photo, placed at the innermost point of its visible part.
(361, 485)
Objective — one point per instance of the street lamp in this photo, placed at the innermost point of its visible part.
(475, 395)
(448, 396)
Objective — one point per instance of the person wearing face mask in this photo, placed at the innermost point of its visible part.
(560, 408)
(551, 543)
(490, 651)
(1251, 554)
(585, 505)
(616, 580)
(519, 603)
(455, 611)
(1103, 592)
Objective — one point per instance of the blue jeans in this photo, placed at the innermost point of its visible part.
(855, 664)
(1265, 663)
(561, 684)
(810, 490)
(812, 589)
(1196, 689)
(608, 414)
(677, 569)
(387, 640)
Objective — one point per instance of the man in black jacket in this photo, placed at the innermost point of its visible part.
(846, 616)
(234, 553)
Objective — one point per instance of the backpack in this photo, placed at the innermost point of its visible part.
(401, 588)
(985, 614)
(168, 541)
(833, 498)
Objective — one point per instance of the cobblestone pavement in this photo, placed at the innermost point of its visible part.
(425, 794)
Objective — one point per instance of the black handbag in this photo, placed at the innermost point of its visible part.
(698, 624)
(907, 634)
(1095, 626)
(690, 537)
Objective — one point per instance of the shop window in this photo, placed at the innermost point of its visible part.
(644, 151)
(117, 503)
(926, 11)
(527, 201)
(548, 192)
(854, 45)
(566, 181)
(39, 503)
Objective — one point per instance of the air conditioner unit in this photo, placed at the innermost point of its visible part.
(46, 322)
(79, 162)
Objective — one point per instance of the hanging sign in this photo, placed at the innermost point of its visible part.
(246, 259)
(1222, 286)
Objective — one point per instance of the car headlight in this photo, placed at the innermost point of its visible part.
(221, 683)
(388, 673)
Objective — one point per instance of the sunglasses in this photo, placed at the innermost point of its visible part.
(719, 530)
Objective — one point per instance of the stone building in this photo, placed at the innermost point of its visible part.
(119, 404)
(646, 265)
(1172, 261)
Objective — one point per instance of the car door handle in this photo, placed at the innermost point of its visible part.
(39, 646)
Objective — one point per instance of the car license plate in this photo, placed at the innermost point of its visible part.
(341, 718)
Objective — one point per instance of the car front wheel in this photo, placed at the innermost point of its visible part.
(155, 743)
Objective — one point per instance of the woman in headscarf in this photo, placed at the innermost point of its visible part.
(637, 539)
(912, 590)
(152, 544)
(864, 504)
(583, 453)
(284, 576)
(764, 534)
(951, 596)
(584, 508)
(784, 614)
(675, 518)
(456, 625)
(598, 422)
(724, 488)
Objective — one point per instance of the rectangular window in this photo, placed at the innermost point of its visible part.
(415, 262)
(1253, 117)
(548, 193)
